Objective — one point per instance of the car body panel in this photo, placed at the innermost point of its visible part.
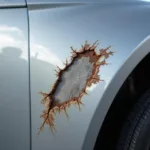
(12, 3)
(80, 1)
(14, 80)
(52, 31)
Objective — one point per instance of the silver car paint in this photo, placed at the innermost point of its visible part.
(52, 31)
(54, 27)
(14, 80)
(12, 3)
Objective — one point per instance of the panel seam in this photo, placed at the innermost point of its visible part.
(30, 111)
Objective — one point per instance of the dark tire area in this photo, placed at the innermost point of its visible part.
(135, 134)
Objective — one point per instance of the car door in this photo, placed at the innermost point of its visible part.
(14, 76)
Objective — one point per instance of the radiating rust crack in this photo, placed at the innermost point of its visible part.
(53, 106)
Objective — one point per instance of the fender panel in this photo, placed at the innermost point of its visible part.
(53, 29)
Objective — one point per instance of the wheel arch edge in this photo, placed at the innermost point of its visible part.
(112, 89)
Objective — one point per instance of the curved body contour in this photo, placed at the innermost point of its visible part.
(54, 26)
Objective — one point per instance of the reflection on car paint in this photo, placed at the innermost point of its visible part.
(73, 80)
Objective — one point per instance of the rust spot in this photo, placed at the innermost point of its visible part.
(60, 98)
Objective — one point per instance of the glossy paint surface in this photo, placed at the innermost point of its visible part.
(53, 29)
(14, 80)
(80, 1)
(12, 3)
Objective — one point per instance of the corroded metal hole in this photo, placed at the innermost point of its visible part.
(73, 80)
